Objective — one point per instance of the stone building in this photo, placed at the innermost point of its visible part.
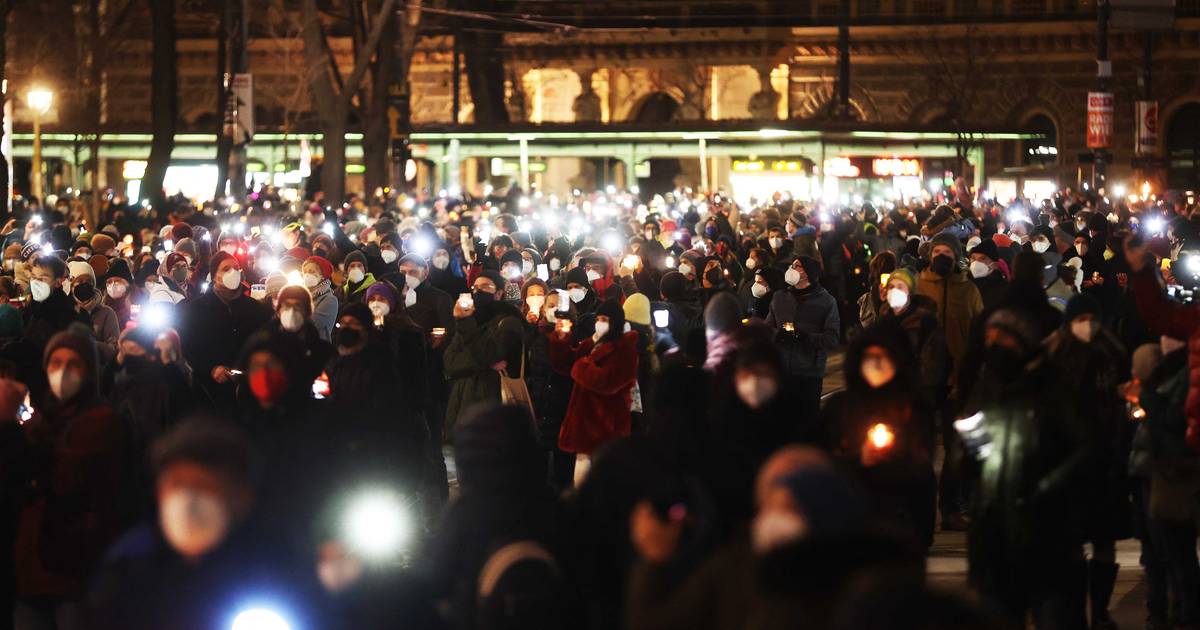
(1009, 65)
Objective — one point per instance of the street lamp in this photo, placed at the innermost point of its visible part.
(39, 100)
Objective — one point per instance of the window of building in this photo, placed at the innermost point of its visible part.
(1043, 150)
(1183, 148)
(966, 8)
(929, 7)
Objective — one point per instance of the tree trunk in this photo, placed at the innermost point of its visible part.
(164, 101)
(333, 163)
(376, 132)
(485, 76)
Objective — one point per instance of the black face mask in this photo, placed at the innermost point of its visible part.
(349, 337)
(942, 265)
(1007, 364)
(85, 292)
(135, 364)
(483, 298)
(713, 276)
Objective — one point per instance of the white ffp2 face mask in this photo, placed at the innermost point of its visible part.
(758, 290)
(64, 383)
(791, 276)
(1041, 246)
(232, 279)
(291, 319)
(601, 330)
(311, 280)
(39, 290)
(356, 275)
(897, 298)
(535, 302)
(389, 255)
(756, 391)
(379, 308)
(577, 294)
(979, 269)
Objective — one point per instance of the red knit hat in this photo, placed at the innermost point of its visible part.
(325, 265)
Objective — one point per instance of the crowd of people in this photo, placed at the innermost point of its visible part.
(240, 414)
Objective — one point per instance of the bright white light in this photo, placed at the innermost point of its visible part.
(523, 202)
(156, 315)
(294, 278)
(268, 264)
(612, 243)
(206, 237)
(422, 246)
(1155, 225)
(1193, 264)
(772, 133)
(635, 189)
(239, 228)
(48, 248)
(39, 100)
(610, 189)
(168, 245)
(1118, 190)
(376, 524)
(327, 229)
(260, 619)
(670, 262)
(550, 220)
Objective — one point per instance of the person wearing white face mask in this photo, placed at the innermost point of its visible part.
(762, 286)
(215, 325)
(986, 273)
(1093, 364)
(807, 326)
(293, 316)
(79, 437)
(317, 273)
(52, 310)
(118, 289)
(357, 278)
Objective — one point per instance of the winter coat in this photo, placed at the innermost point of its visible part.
(926, 343)
(350, 293)
(106, 329)
(957, 304)
(683, 317)
(150, 396)
(817, 330)
(162, 292)
(604, 376)
(213, 332)
(325, 309)
(992, 288)
(1092, 373)
(68, 465)
(479, 342)
(1179, 322)
(1028, 481)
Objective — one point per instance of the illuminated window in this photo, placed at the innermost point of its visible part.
(1043, 150)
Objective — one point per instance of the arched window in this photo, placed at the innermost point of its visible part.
(1042, 150)
(1183, 148)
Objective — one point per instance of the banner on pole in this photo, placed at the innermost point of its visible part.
(1147, 128)
(1099, 119)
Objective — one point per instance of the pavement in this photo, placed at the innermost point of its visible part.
(947, 571)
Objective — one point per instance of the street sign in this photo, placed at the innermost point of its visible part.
(1099, 119)
(1146, 142)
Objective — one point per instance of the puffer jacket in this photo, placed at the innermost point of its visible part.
(814, 316)
(957, 304)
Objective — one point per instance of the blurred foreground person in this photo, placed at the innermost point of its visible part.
(1033, 453)
(204, 564)
(66, 464)
(806, 544)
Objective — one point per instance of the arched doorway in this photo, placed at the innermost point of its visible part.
(658, 107)
(1042, 150)
(1183, 148)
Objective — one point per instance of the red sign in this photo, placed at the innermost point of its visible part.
(1147, 129)
(1099, 119)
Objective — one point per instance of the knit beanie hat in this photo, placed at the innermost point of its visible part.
(384, 291)
(103, 243)
(906, 276)
(298, 293)
(325, 265)
(637, 309)
(722, 314)
(948, 239)
(987, 248)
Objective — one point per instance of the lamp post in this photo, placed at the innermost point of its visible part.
(39, 100)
